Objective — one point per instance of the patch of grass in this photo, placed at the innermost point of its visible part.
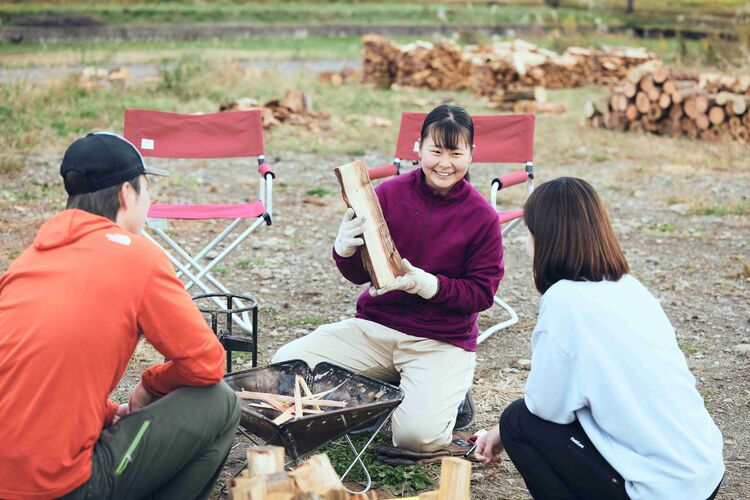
(247, 262)
(663, 228)
(397, 481)
(723, 210)
(319, 192)
(270, 310)
(179, 76)
(12, 163)
(688, 348)
(309, 320)
(706, 394)
(221, 271)
(27, 196)
(239, 357)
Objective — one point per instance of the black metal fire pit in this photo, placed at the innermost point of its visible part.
(367, 401)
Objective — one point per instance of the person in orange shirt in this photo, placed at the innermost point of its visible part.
(72, 308)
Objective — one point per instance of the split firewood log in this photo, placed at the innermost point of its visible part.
(262, 460)
(379, 254)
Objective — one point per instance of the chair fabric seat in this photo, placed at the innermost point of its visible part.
(206, 211)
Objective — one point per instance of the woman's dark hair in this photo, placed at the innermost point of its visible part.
(105, 202)
(573, 238)
(448, 125)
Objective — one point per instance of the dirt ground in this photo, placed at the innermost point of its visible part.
(666, 208)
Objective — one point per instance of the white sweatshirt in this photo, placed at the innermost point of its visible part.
(605, 353)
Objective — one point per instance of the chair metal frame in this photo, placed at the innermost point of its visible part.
(515, 133)
(196, 133)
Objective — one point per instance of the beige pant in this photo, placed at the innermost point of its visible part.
(434, 375)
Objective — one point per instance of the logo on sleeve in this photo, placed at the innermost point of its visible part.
(122, 239)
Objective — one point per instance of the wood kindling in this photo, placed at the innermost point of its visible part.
(292, 407)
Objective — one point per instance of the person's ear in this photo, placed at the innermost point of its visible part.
(124, 195)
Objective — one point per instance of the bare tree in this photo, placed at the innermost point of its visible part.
(630, 6)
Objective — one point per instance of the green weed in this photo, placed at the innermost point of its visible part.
(688, 348)
(319, 192)
(663, 228)
(270, 310)
(706, 394)
(397, 481)
(221, 271)
(179, 77)
(246, 262)
(723, 210)
(309, 320)
(11, 163)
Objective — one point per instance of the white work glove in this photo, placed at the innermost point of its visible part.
(415, 281)
(346, 241)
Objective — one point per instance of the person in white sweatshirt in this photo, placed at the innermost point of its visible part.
(610, 408)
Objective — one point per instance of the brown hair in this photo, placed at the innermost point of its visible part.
(105, 202)
(573, 238)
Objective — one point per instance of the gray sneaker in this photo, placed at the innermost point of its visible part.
(466, 411)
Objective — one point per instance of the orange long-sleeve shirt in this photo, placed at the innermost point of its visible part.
(71, 310)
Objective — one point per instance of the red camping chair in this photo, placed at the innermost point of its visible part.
(218, 135)
(498, 139)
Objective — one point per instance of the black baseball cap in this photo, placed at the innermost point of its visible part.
(101, 160)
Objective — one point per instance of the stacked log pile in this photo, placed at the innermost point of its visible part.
(337, 78)
(379, 61)
(294, 109)
(676, 102)
(490, 70)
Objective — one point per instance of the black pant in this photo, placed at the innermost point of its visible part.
(173, 448)
(558, 461)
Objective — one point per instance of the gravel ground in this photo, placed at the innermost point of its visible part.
(697, 265)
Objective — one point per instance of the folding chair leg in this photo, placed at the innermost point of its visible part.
(192, 261)
(229, 248)
(243, 321)
(505, 324)
(358, 457)
(510, 226)
(214, 242)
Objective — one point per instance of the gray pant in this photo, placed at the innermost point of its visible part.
(172, 448)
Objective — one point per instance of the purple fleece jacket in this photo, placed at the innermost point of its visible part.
(455, 237)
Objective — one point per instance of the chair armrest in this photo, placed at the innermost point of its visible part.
(510, 179)
(509, 216)
(265, 169)
(382, 171)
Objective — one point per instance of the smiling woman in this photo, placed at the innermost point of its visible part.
(420, 330)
